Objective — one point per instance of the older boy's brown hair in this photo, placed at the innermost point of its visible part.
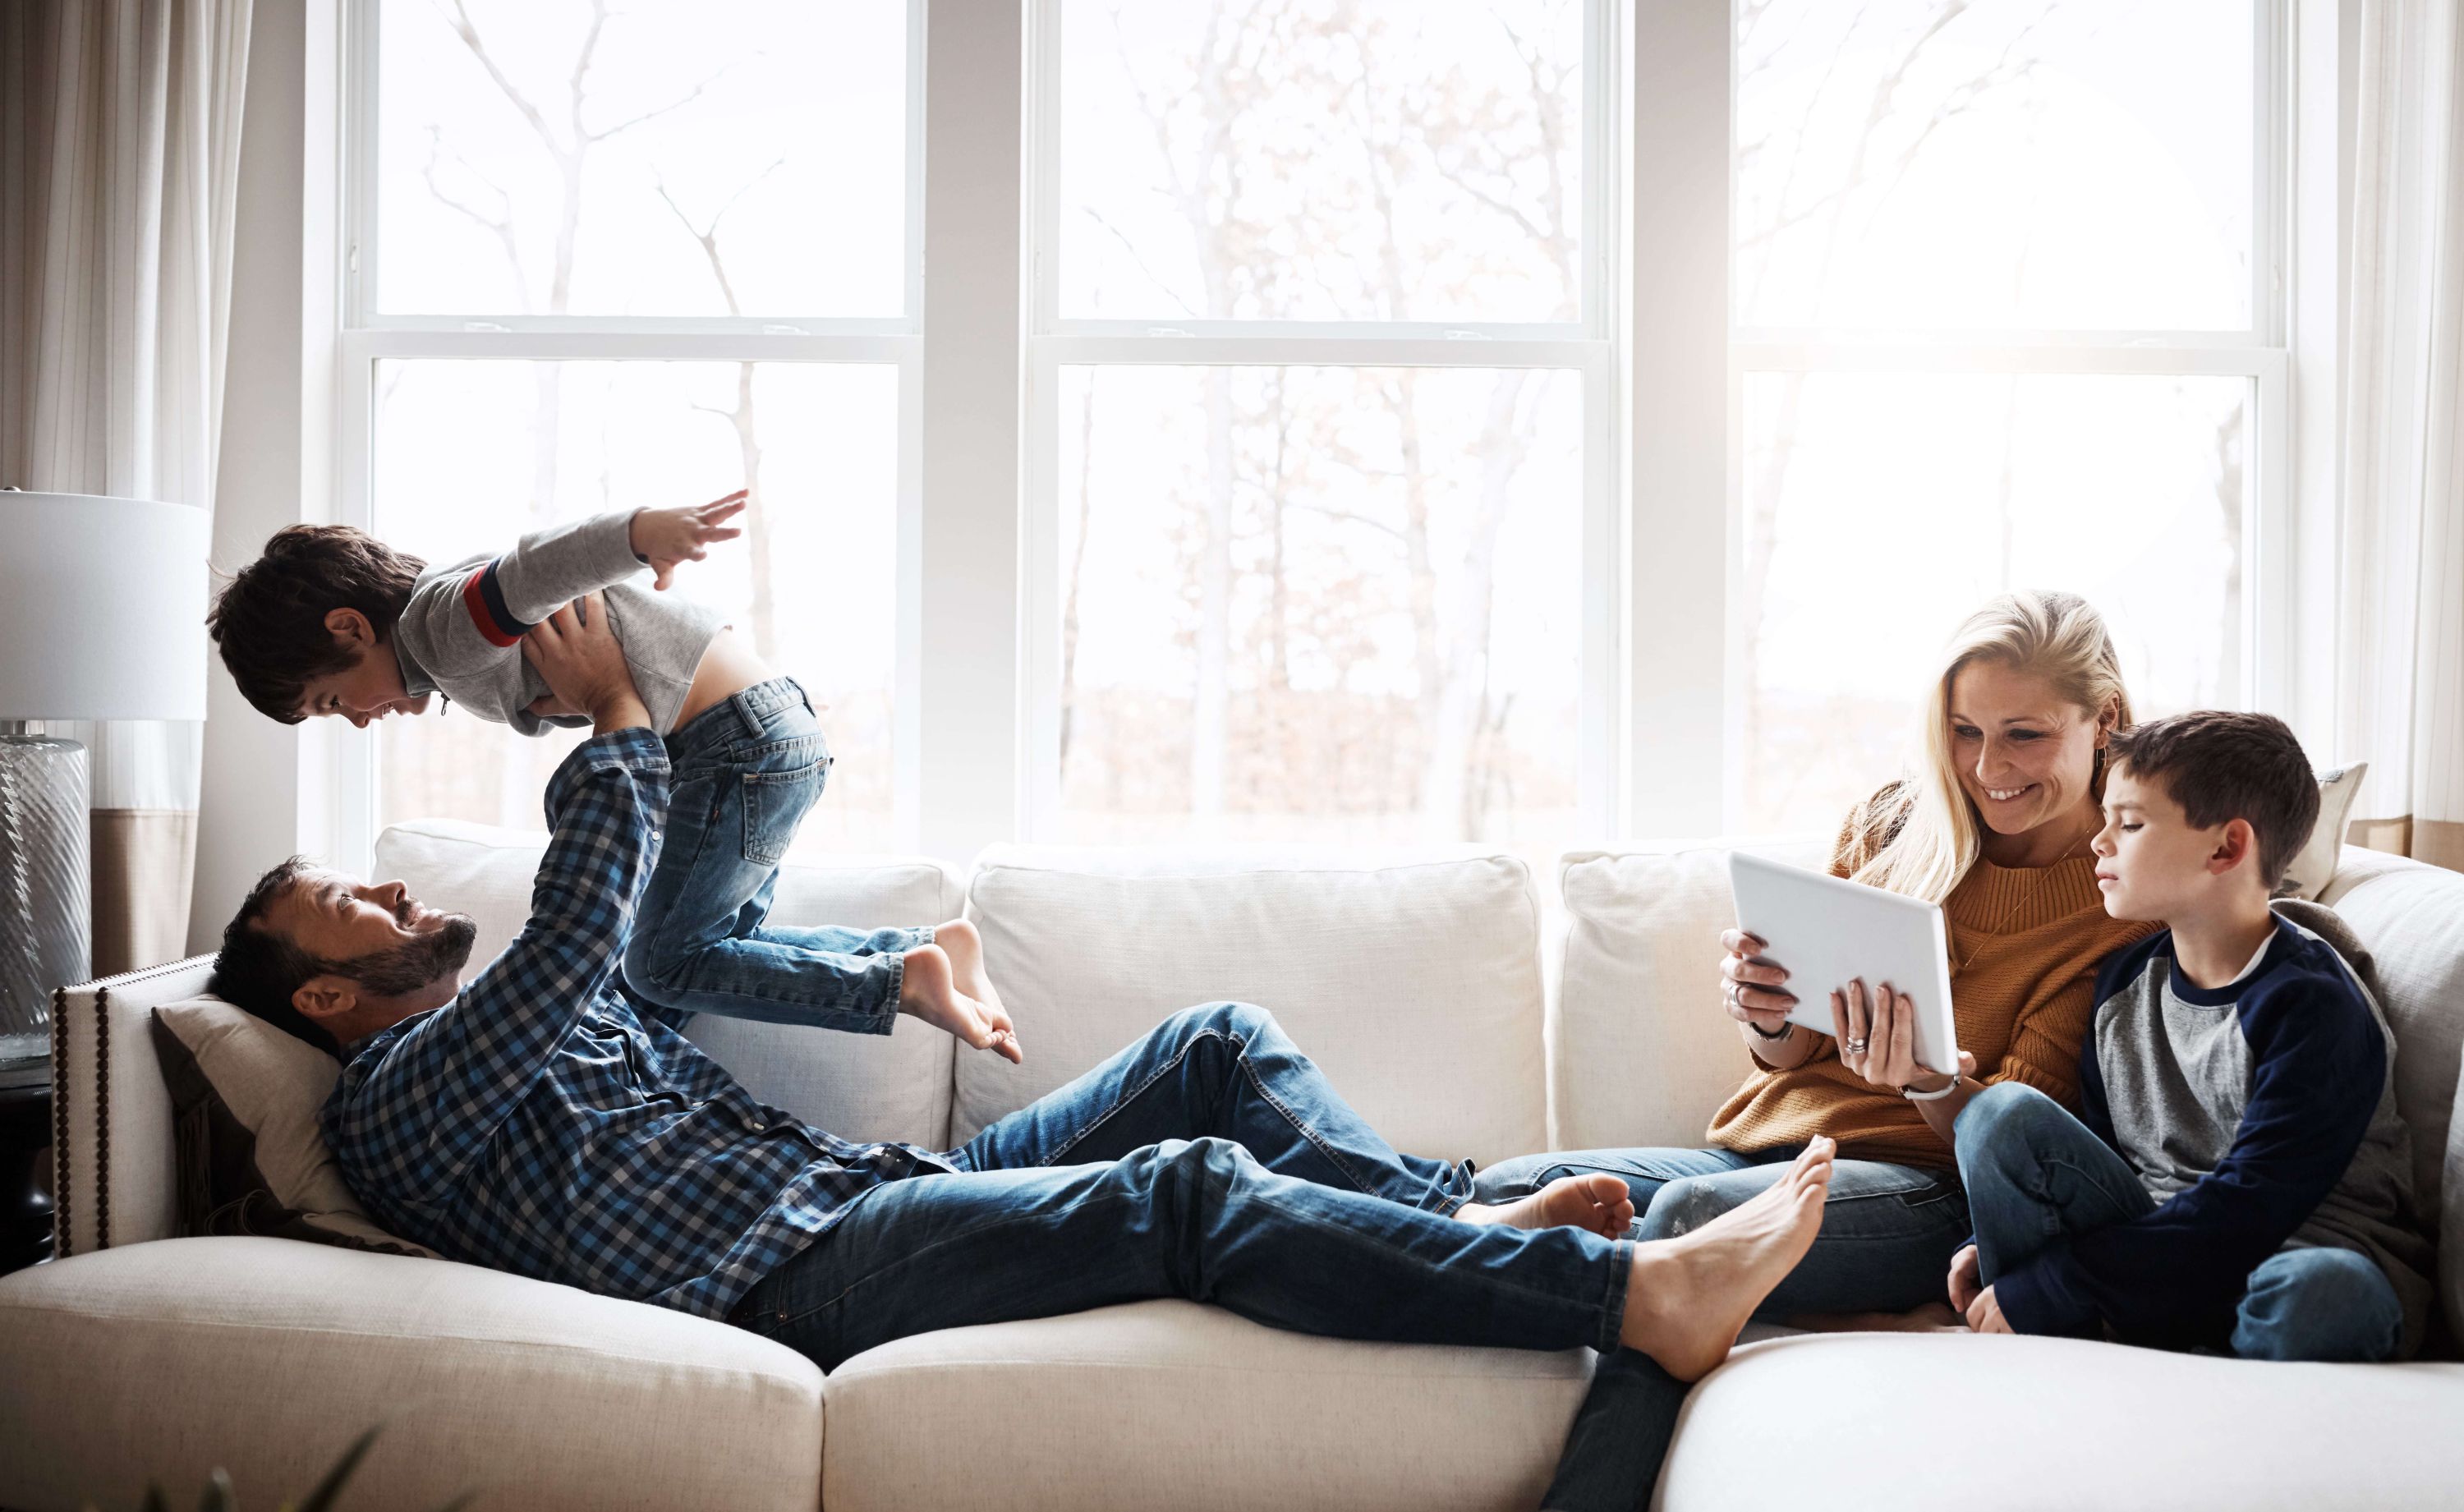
(270, 619)
(2221, 766)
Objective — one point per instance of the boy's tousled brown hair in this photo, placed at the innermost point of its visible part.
(2221, 766)
(270, 619)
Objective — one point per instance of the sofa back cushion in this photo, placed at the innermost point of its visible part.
(1644, 1054)
(859, 1086)
(2410, 917)
(1411, 979)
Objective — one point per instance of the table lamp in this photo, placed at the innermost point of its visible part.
(102, 616)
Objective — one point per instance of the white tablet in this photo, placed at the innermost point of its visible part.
(1829, 931)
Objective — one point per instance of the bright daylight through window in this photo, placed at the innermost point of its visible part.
(1322, 528)
(2002, 322)
(1323, 583)
(543, 169)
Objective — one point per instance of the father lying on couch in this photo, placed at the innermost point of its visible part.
(545, 1121)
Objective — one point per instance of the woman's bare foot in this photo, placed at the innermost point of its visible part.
(965, 948)
(1598, 1203)
(1689, 1297)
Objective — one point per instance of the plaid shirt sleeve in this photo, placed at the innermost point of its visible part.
(441, 1091)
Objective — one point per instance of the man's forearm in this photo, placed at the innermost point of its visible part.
(619, 711)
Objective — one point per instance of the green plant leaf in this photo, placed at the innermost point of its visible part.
(322, 1498)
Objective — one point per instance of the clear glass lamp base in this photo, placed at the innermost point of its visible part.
(44, 940)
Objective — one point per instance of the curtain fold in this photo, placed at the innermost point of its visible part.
(2400, 617)
(120, 139)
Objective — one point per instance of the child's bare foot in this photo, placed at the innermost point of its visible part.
(1598, 1203)
(928, 989)
(965, 948)
(1689, 1297)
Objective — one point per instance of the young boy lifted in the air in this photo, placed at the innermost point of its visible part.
(331, 620)
(2238, 1178)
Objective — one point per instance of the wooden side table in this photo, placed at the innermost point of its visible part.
(24, 1138)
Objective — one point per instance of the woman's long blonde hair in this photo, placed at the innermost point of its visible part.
(2056, 636)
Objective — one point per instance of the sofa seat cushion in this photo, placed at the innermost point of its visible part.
(1411, 979)
(1964, 1421)
(891, 1086)
(1171, 1404)
(160, 1360)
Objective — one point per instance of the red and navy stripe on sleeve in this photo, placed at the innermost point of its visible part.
(484, 596)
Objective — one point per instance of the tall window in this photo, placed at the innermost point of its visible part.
(1358, 498)
(606, 259)
(1320, 424)
(2006, 288)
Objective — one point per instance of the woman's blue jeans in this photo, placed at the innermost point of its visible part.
(747, 770)
(2035, 1175)
(1212, 1161)
(1888, 1236)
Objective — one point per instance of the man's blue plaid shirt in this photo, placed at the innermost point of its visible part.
(549, 1123)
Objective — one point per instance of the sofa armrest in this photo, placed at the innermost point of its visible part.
(264, 1357)
(113, 1178)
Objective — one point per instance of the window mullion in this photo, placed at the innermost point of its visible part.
(967, 724)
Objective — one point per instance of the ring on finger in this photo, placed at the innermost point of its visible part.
(1854, 1047)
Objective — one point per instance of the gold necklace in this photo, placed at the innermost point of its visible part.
(2035, 888)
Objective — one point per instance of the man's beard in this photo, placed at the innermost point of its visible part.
(405, 969)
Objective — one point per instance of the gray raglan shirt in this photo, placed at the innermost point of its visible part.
(461, 633)
(2259, 1116)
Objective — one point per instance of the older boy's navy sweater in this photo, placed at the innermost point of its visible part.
(2259, 1116)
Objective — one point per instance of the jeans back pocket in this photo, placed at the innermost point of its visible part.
(775, 806)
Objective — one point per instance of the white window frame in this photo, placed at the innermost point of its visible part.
(2258, 352)
(980, 344)
(366, 337)
(1588, 347)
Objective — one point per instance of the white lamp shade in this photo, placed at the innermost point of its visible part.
(102, 608)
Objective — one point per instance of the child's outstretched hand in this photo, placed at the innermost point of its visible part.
(668, 537)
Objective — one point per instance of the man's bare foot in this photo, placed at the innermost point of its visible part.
(965, 948)
(1934, 1317)
(1689, 1297)
(1599, 1203)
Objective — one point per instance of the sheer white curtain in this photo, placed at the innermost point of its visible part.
(120, 127)
(2400, 632)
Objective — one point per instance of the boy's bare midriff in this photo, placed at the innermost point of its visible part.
(727, 668)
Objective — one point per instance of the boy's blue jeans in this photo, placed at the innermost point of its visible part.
(1212, 1161)
(747, 769)
(1888, 1233)
(2035, 1175)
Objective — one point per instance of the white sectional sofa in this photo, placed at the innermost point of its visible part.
(1422, 984)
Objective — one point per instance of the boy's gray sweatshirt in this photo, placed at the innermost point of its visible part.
(2259, 1116)
(461, 633)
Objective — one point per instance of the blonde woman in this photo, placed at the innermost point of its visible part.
(1994, 825)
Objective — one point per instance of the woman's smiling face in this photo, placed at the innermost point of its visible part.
(2024, 755)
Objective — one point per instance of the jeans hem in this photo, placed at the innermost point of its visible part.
(1620, 1279)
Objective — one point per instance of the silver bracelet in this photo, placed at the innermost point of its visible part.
(1785, 1030)
(1936, 1096)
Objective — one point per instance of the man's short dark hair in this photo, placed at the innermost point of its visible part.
(268, 621)
(260, 968)
(2220, 766)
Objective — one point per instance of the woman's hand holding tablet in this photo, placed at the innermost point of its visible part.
(1849, 937)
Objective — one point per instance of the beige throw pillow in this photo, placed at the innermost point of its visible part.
(251, 1159)
(2314, 864)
